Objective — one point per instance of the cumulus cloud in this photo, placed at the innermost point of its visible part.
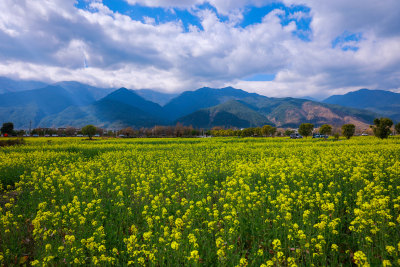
(53, 40)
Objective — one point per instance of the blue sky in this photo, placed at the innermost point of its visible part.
(139, 12)
(251, 14)
(347, 41)
(275, 48)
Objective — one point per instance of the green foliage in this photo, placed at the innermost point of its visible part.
(7, 128)
(325, 129)
(89, 130)
(268, 130)
(248, 132)
(222, 132)
(289, 132)
(348, 130)
(397, 128)
(336, 136)
(381, 127)
(306, 129)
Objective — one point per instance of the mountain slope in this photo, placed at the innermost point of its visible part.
(25, 107)
(31, 106)
(130, 97)
(229, 114)
(86, 93)
(8, 85)
(191, 101)
(22, 117)
(291, 112)
(156, 97)
(50, 99)
(121, 108)
(282, 112)
(383, 102)
(103, 113)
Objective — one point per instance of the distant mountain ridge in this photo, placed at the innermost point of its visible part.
(291, 112)
(232, 113)
(31, 106)
(103, 113)
(383, 102)
(130, 97)
(156, 97)
(88, 92)
(77, 104)
(205, 97)
(8, 85)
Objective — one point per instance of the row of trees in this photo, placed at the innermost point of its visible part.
(381, 129)
(8, 129)
(266, 130)
(163, 131)
(168, 131)
(306, 129)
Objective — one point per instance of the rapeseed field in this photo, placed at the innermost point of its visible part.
(200, 202)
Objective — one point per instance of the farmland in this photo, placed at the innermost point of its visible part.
(201, 202)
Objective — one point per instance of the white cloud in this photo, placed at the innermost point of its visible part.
(225, 7)
(49, 40)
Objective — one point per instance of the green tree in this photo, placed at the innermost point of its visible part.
(325, 129)
(273, 131)
(288, 132)
(230, 132)
(257, 131)
(7, 128)
(268, 130)
(382, 127)
(348, 130)
(248, 132)
(265, 130)
(89, 130)
(306, 129)
(397, 128)
(336, 135)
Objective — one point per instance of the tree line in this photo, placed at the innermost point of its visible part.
(382, 128)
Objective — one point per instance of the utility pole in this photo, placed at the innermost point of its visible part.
(30, 126)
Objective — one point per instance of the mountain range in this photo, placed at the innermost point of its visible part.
(382, 102)
(8, 85)
(76, 104)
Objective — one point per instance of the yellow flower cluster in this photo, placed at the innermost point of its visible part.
(200, 202)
